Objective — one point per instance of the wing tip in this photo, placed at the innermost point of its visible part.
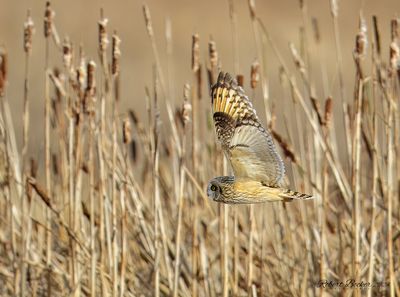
(289, 195)
(225, 79)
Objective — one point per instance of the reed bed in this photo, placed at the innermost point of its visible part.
(117, 206)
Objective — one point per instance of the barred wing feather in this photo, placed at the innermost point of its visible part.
(246, 143)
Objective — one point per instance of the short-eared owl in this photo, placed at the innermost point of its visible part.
(258, 169)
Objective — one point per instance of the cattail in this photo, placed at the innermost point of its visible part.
(283, 79)
(254, 74)
(394, 56)
(103, 38)
(40, 191)
(116, 54)
(395, 29)
(240, 80)
(29, 30)
(33, 167)
(199, 80)
(376, 34)
(334, 8)
(186, 106)
(252, 8)
(67, 53)
(58, 80)
(56, 165)
(48, 20)
(316, 107)
(3, 70)
(168, 35)
(81, 70)
(91, 80)
(126, 131)
(297, 59)
(328, 111)
(147, 20)
(361, 39)
(133, 117)
(195, 53)
(213, 54)
(317, 34)
(90, 87)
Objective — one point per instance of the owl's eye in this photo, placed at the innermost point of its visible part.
(213, 188)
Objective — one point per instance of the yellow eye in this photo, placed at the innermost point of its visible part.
(213, 188)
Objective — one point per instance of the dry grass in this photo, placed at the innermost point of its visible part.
(118, 206)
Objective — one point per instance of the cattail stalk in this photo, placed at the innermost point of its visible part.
(185, 114)
(359, 54)
(127, 139)
(29, 30)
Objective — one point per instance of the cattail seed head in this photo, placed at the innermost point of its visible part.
(395, 29)
(328, 111)
(394, 56)
(254, 74)
(91, 79)
(49, 15)
(81, 71)
(103, 38)
(213, 54)
(186, 106)
(29, 30)
(116, 54)
(67, 53)
(90, 88)
(252, 8)
(334, 8)
(317, 34)
(240, 80)
(126, 131)
(3, 70)
(297, 59)
(361, 39)
(147, 20)
(195, 53)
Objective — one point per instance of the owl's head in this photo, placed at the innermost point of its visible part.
(219, 187)
(214, 190)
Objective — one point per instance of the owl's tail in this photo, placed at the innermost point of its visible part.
(289, 195)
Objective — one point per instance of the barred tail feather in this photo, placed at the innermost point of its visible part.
(289, 195)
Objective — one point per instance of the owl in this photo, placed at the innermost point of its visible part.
(258, 169)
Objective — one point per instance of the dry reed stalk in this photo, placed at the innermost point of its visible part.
(47, 158)
(334, 7)
(29, 30)
(150, 33)
(323, 207)
(8, 175)
(114, 215)
(260, 45)
(195, 156)
(390, 196)
(250, 249)
(185, 113)
(170, 66)
(359, 54)
(155, 156)
(235, 39)
(374, 195)
(127, 138)
(91, 165)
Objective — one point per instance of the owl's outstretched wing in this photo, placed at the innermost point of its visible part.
(247, 144)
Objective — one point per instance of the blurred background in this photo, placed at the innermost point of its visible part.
(283, 19)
